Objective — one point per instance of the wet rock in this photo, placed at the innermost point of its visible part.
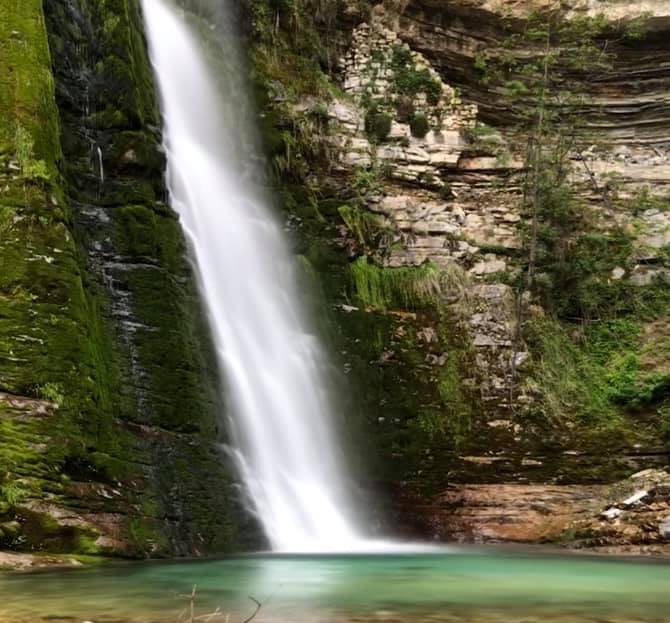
(611, 513)
(23, 562)
(572, 515)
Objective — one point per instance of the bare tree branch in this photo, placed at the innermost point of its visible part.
(259, 605)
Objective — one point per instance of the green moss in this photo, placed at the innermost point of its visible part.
(571, 386)
(631, 387)
(47, 334)
(31, 168)
(406, 287)
(410, 81)
(143, 234)
(453, 421)
(147, 536)
(596, 382)
(59, 337)
(29, 122)
(369, 231)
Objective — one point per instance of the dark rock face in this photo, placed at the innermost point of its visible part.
(140, 467)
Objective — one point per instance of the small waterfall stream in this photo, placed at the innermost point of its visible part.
(273, 365)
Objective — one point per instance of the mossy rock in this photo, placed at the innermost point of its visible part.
(100, 314)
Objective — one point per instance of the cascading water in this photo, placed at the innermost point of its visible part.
(273, 365)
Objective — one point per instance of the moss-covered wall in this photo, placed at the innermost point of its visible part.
(111, 411)
(50, 344)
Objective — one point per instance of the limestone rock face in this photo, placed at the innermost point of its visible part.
(435, 193)
(452, 198)
(627, 517)
(452, 195)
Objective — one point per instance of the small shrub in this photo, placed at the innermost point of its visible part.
(377, 125)
(482, 136)
(428, 178)
(401, 56)
(409, 80)
(320, 115)
(377, 56)
(366, 181)
(364, 226)
(405, 109)
(12, 493)
(445, 191)
(419, 125)
(52, 392)
(644, 200)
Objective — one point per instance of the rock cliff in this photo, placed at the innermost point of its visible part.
(109, 394)
(404, 187)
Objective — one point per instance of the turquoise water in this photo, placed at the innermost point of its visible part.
(458, 586)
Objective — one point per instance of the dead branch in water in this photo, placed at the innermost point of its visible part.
(189, 616)
(259, 605)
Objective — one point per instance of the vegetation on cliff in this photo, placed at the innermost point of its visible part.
(573, 250)
(576, 383)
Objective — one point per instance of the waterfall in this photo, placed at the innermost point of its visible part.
(273, 365)
(101, 166)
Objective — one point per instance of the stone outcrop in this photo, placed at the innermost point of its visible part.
(452, 195)
(436, 192)
(630, 516)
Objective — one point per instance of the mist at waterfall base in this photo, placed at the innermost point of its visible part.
(282, 417)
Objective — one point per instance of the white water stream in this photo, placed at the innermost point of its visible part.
(282, 420)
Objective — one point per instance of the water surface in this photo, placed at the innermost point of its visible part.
(464, 585)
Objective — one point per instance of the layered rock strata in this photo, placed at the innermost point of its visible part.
(628, 517)
(473, 399)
